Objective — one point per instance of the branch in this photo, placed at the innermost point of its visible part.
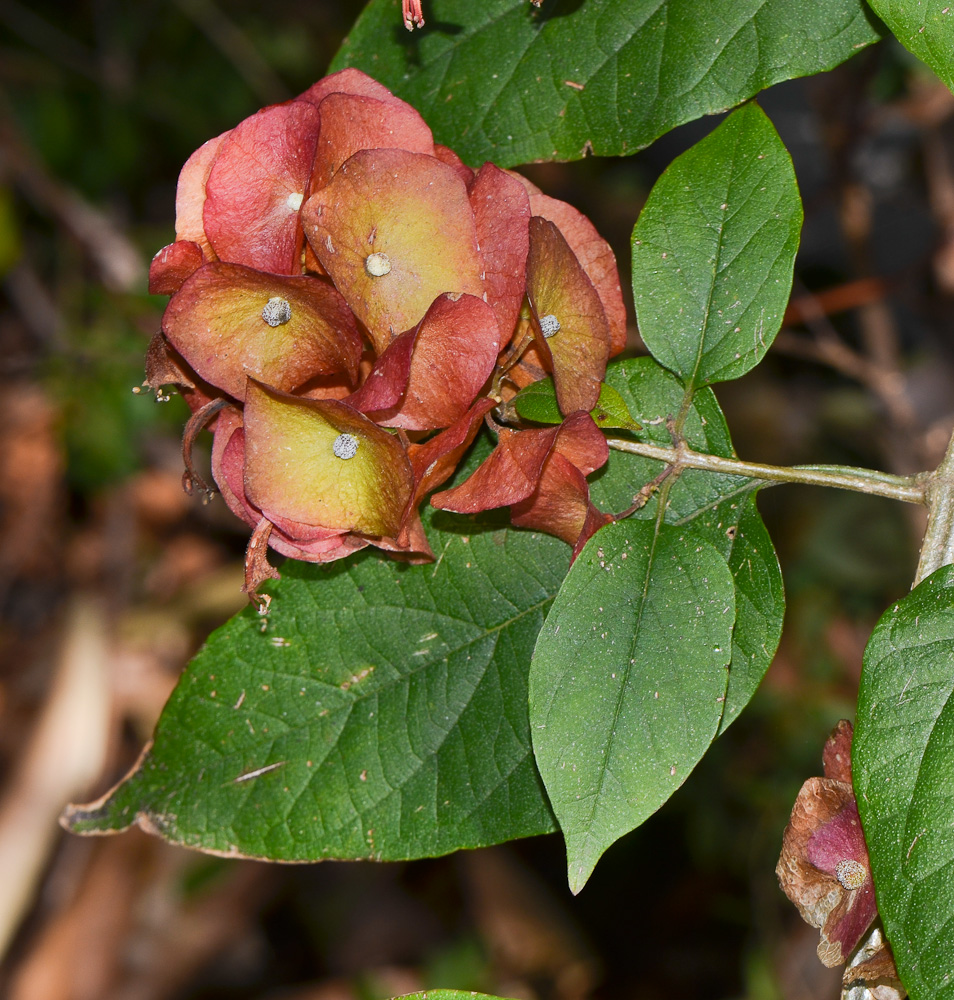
(913, 489)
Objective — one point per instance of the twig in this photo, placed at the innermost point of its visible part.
(119, 262)
(237, 47)
(911, 489)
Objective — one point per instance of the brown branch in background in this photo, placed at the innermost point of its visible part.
(939, 176)
(884, 380)
(47, 38)
(65, 754)
(237, 48)
(842, 298)
(117, 259)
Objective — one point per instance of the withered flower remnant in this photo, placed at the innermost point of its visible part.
(824, 868)
(339, 282)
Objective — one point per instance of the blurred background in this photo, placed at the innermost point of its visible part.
(110, 577)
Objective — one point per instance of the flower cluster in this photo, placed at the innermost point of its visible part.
(349, 303)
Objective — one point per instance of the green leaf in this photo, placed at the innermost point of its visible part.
(538, 402)
(379, 712)
(713, 251)
(925, 29)
(722, 509)
(903, 769)
(499, 80)
(628, 680)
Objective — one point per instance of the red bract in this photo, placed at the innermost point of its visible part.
(335, 275)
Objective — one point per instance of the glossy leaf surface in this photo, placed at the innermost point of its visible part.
(926, 29)
(380, 711)
(628, 680)
(722, 509)
(903, 769)
(628, 620)
(500, 80)
(713, 251)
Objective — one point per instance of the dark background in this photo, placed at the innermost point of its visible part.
(110, 577)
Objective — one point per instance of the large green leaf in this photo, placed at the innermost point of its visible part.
(499, 80)
(722, 509)
(628, 680)
(379, 712)
(903, 768)
(713, 251)
(925, 28)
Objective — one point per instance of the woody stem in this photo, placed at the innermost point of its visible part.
(913, 489)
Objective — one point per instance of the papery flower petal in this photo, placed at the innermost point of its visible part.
(512, 471)
(448, 156)
(593, 252)
(502, 214)
(873, 969)
(411, 544)
(297, 541)
(190, 194)
(560, 505)
(164, 367)
(836, 757)
(569, 319)
(228, 465)
(842, 914)
(508, 475)
(383, 388)
(348, 81)
(230, 322)
(429, 376)
(172, 265)
(327, 550)
(321, 462)
(582, 442)
(350, 122)
(434, 461)
(257, 567)
(257, 185)
(394, 230)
